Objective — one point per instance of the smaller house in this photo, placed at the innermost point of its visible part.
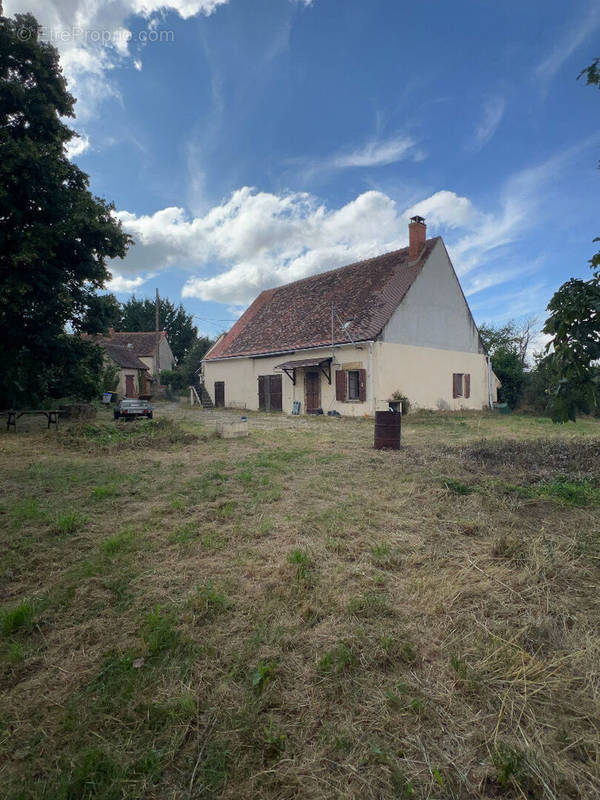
(140, 357)
(132, 372)
(151, 347)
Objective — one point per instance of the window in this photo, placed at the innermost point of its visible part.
(353, 384)
(461, 384)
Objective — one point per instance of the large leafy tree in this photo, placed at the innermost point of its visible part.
(574, 324)
(139, 315)
(55, 236)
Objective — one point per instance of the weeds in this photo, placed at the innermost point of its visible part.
(337, 660)
(68, 523)
(302, 561)
(262, 675)
(19, 618)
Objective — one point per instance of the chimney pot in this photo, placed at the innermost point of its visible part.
(417, 234)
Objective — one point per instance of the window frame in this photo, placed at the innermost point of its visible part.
(349, 397)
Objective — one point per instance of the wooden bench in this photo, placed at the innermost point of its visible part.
(12, 417)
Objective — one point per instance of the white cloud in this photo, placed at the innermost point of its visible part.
(582, 28)
(120, 284)
(263, 240)
(375, 153)
(92, 37)
(492, 113)
(137, 64)
(78, 145)
(444, 209)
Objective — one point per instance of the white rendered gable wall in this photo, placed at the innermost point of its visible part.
(434, 312)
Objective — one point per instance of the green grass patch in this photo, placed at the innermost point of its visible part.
(126, 541)
(339, 659)
(302, 561)
(68, 523)
(207, 602)
(17, 619)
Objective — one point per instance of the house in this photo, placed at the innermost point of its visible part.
(140, 356)
(347, 339)
(132, 372)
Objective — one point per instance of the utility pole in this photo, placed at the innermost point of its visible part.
(157, 357)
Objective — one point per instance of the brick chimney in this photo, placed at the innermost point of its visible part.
(417, 231)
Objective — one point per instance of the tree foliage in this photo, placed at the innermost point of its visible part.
(139, 315)
(574, 324)
(507, 347)
(186, 372)
(55, 236)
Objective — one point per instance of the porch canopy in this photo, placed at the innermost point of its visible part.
(290, 367)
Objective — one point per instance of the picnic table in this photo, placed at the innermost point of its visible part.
(12, 417)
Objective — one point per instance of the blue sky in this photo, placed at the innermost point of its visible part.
(249, 143)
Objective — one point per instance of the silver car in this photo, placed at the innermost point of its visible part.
(132, 409)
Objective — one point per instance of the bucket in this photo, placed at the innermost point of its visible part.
(106, 397)
(388, 426)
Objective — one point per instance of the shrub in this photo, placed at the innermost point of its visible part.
(398, 397)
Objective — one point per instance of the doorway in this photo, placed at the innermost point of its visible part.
(269, 393)
(129, 386)
(312, 391)
(219, 394)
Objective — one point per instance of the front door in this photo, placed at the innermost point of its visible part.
(129, 386)
(312, 391)
(220, 394)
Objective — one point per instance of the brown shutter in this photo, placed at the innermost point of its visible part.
(340, 385)
(362, 385)
(454, 384)
(467, 386)
(262, 394)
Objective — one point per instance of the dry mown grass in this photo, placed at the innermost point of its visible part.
(296, 615)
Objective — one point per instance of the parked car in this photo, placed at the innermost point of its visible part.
(131, 409)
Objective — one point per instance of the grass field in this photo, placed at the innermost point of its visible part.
(297, 615)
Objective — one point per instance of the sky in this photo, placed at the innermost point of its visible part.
(248, 143)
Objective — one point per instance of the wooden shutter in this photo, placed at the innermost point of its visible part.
(362, 385)
(262, 393)
(340, 385)
(275, 393)
(455, 384)
(467, 385)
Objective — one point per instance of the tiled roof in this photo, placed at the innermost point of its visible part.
(122, 356)
(143, 343)
(298, 315)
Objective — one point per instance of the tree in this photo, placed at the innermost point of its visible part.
(574, 324)
(139, 315)
(186, 373)
(55, 236)
(104, 312)
(592, 78)
(507, 347)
